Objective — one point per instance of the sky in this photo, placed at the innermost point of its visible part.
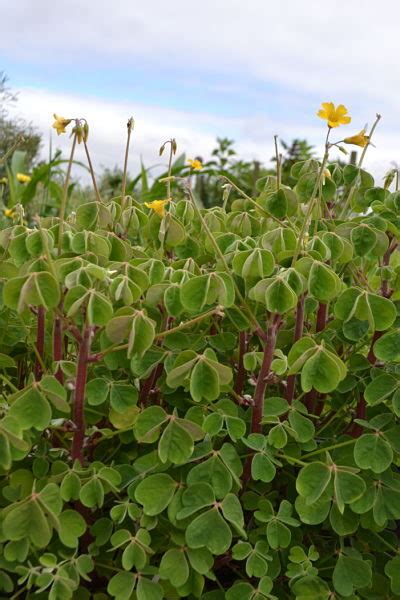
(198, 70)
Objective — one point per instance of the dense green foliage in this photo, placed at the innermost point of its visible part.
(204, 403)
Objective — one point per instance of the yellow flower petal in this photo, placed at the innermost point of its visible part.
(334, 116)
(360, 139)
(60, 124)
(158, 206)
(195, 164)
(22, 178)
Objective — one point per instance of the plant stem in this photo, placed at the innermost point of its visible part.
(241, 371)
(41, 323)
(383, 541)
(79, 398)
(261, 385)
(193, 321)
(58, 347)
(254, 203)
(9, 383)
(129, 126)
(171, 153)
(321, 317)
(326, 448)
(63, 204)
(160, 335)
(296, 461)
(278, 163)
(298, 332)
(360, 162)
(96, 189)
(262, 379)
(311, 202)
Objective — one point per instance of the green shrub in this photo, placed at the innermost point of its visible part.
(204, 403)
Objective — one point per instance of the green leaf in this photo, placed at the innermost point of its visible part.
(345, 523)
(176, 444)
(392, 570)
(97, 391)
(387, 347)
(28, 520)
(232, 511)
(351, 573)
(148, 423)
(99, 309)
(279, 296)
(323, 371)
(55, 392)
(195, 293)
(194, 498)
(92, 493)
(348, 487)
(210, 530)
(204, 381)
(148, 590)
(278, 534)
(276, 204)
(380, 388)
(323, 283)
(155, 492)
(121, 585)
(371, 451)
(363, 239)
(174, 566)
(383, 311)
(31, 410)
(262, 468)
(312, 481)
(123, 396)
(72, 526)
(5, 453)
(313, 513)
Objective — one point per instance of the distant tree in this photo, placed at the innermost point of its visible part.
(11, 128)
(110, 182)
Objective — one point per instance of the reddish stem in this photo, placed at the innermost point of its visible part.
(298, 332)
(79, 399)
(58, 347)
(241, 372)
(41, 323)
(321, 317)
(262, 379)
(262, 382)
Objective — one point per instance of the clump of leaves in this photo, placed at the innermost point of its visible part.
(204, 403)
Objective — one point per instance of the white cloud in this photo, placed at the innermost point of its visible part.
(330, 48)
(195, 132)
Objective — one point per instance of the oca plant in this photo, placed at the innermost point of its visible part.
(204, 403)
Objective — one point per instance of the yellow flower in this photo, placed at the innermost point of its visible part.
(22, 178)
(334, 116)
(196, 164)
(8, 212)
(360, 139)
(60, 124)
(158, 206)
(326, 175)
